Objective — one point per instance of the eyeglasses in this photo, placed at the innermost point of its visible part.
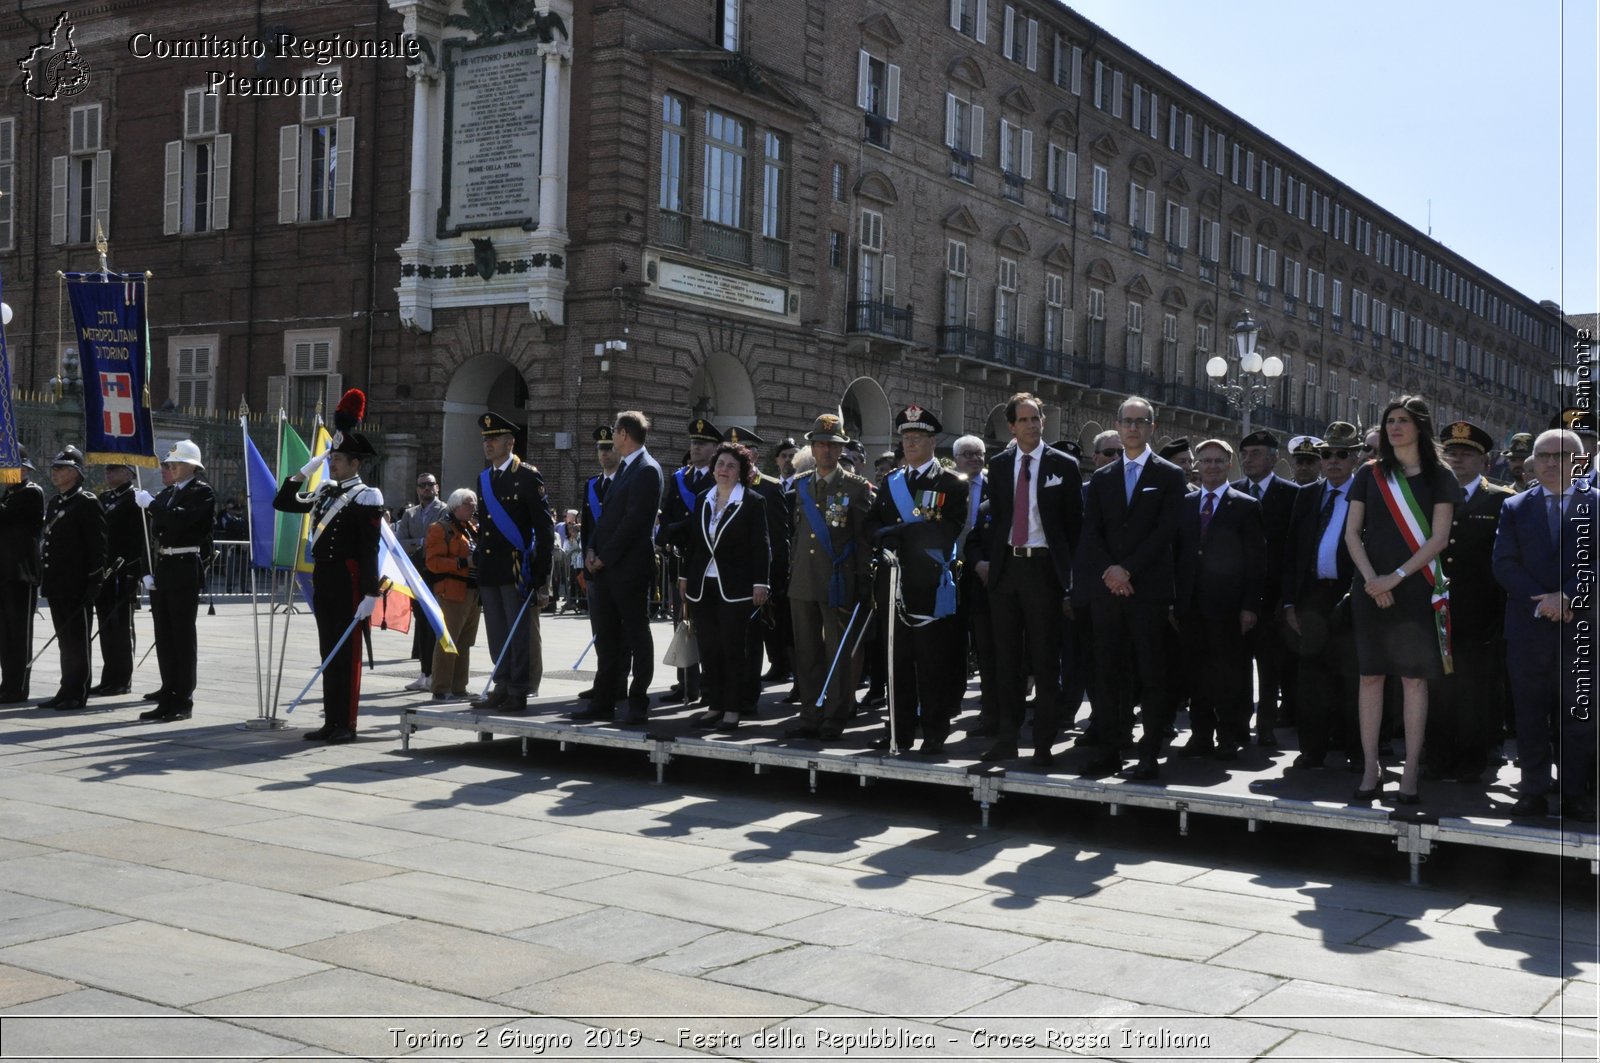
(1111, 452)
(1337, 455)
(1136, 422)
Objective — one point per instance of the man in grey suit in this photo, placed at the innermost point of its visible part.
(620, 560)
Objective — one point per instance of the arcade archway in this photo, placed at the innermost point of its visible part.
(486, 382)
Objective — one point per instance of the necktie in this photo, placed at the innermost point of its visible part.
(1554, 518)
(1207, 511)
(1131, 469)
(1019, 505)
(1327, 512)
(1255, 490)
(602, 487)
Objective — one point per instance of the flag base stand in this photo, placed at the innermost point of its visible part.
(264, 723)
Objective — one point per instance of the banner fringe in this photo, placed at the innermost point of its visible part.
(113, 457)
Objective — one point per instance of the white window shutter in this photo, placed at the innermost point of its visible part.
(221, 171)
(1077, 71)
(1183, 227)
(981, 23)
(1149, 209)
(277, 391)
(950, 120)
(888, 279)
(1033, 44)
(172, 190)
(102, 193)
(1005, 144)
(1116, 94)
(1072, 175)
(1009, 34)
(892, 105)
(955, 14)
(863, 79)
(344, 140)
(977, 132)
(333, 394)
(58, 199)
(1027, 154)
(288, 174)
(1133, 204)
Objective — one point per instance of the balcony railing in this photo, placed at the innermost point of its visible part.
(1336, 323)
(1011, 186)
(1139, 241)
(1174, 256)
(674, 231)
(1314, 315)
(878, 130)
(968, 342)
(722, 241)
(1199, 399)
(1060, 207)
(1208, 269)
(1236, 282)
(1290, 303)
(879, 319)
(1264, 294)
(961, 165)
(774, 255)
(1100, 226)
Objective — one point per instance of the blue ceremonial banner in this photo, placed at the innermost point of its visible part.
(10, 459)
(113, 349)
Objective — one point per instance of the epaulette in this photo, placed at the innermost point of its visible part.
(368, 496)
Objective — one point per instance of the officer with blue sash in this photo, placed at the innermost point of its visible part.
(677, 524)
(920, 514)
(515, 545)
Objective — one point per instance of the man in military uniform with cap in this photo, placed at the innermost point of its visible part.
(1517, 455)
(516, 540)
(828, 578)
(677, 520)
(1306, 455)
(920, 513)
(180, 526)
(1465, 731)
(126, 542)
(1258, 454)
(21, 520)
(1177, 451)
(784, 456)
(773, 633)
(346, 514)
(72, 560)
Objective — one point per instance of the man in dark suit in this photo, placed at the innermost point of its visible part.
(125, 553)
(620, 560)
(594, 497)
(1036, 502)
(1125, 577)
(1221, 571)
(1548, 585)
(516, 543)
(1258, 454)
(1469, 704)
(684, 485)
(180, 524)
(72, 558)
(1317, 575)
(763, 633)
(919, 514)
(21, 521)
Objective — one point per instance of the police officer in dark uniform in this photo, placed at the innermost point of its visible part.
(677, 522)
(920, 513)
(125, 547)
(765, 633)
(72, 559)
(515, 544)
(180, 526)
(1465, 730)
(345, 518)
(21, 520)
(594, 499)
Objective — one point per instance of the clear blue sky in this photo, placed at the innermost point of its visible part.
(1488, 109)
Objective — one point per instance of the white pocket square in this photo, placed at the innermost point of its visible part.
(1144, 489)
(1051, 481)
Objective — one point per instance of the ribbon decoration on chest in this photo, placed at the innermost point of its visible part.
(819, 527)
(944, 599)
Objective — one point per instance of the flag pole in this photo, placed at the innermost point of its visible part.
(272, 567)
(260, 720)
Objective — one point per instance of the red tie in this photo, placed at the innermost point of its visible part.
(1019, 506)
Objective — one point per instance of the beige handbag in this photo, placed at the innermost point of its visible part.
(684, 649)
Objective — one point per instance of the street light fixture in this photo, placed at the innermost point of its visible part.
(1243, 392)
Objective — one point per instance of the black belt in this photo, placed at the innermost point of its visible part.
(1028, 551)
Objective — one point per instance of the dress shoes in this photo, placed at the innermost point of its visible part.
(706, 721)
(999, 751)
(493, 700)
(585, 695)
(1366, 797)
(154, 695)
(153, 714)
(1308, 762)
(591, 715)
(1197, 747)
(932, 746)
(801, 730)
(69, 704)
(1225, 751)
(167, 713)
(830, 732)
(319, 735)
(983, 729)
(727, 723)
(1403, 798)
(338, 735)
(634, 719)
(1580, 808)
(1146, 770)
(12, 697)
(443, 697)
(1531, 806)
(1042, 757)
(513, 705)
(104, 690)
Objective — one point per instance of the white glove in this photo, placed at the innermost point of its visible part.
(313, 465)
(368, 604)
(149, 583)
(143, 498)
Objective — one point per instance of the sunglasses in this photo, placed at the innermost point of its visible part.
(1114, 452)
(1338, 455)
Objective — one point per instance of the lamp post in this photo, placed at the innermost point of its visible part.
(1242, 390)
(1575, 373)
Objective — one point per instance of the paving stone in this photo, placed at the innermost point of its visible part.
(456, 901)
(615, 934)
(24, 918)
(327, 836)
(1395, 898)
(1132, 976)
(24, 819)
(621, 850)
(1472, 985)
(1099, 863)
(18, 986)
(277, 867)
(465, 824)
(840, 885)
(140, 843)
(518, 869)
(932, 941)
(1573, 923)
(719, 949)
(717, 904)
(156, 962)
(1577, 1003)
(1133, 930)
(444, 957)
(12, 850)
(976, 870)
(1321, 1046)
(195, 782)
(1330, 925)
(274, 919)
(78, 878)
(853, 978)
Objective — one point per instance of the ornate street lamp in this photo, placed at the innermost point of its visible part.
(1243, 390)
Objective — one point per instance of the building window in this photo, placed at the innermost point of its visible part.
(874, 269)
(728, 36)
(838, 182)
(1006, 299)
(1177, 233)
(878, 94)
(313, 183)
(1308, 403)
(1141, 216)
(1135, 344)
(8, 178)
(836, 249)
(80, 182)
(197, 169)
(1095, 326)
(1020, 42)
(723, 200)
(1016, 159)
(1056, 327)
(971, 17)
(1061, 180)
(955, 284)
(1068, 65)
(1171, 364)
(775, 188)
(674, 139)
(1100, 204)
(963, 135)
(193, 361)
(311, 374)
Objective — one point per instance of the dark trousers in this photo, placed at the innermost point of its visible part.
(334, 597)
(929, 677)
(1128, 640)
(977, 620)
(1266, 647)
(114, 609)
(1326, 713)
(777, 638)
(722, 630)
(501, 604)
(71, 620)
(16, 637)
(1543, 689)
(174, 605)
(619, 614)
(1025, 611)
(1218, 669)
(423, 640)
(1465, 708)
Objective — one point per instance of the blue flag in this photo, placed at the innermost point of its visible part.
(10, 458)
(108, 310)
(259, 491)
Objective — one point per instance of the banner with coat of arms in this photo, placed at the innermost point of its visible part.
(108, 310)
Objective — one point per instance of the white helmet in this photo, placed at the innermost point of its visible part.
(185, 451)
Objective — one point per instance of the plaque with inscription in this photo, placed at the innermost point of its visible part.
(494, 122)
(722, 287)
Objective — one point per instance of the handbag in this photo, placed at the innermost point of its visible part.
(684, 649)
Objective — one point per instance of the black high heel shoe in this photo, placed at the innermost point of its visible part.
(1401, 797)
(1368, 796)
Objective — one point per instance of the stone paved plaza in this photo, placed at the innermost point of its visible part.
(204, 890)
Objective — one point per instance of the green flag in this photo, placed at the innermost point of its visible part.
(292, 527)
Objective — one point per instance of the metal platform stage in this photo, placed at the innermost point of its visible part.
(1255, 788)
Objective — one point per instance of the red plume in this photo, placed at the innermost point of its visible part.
(351, 409)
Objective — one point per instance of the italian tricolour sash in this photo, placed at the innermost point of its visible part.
(1415, 529)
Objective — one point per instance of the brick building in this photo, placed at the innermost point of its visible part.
(741, 208)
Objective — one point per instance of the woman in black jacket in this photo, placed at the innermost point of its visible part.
(725, 579)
